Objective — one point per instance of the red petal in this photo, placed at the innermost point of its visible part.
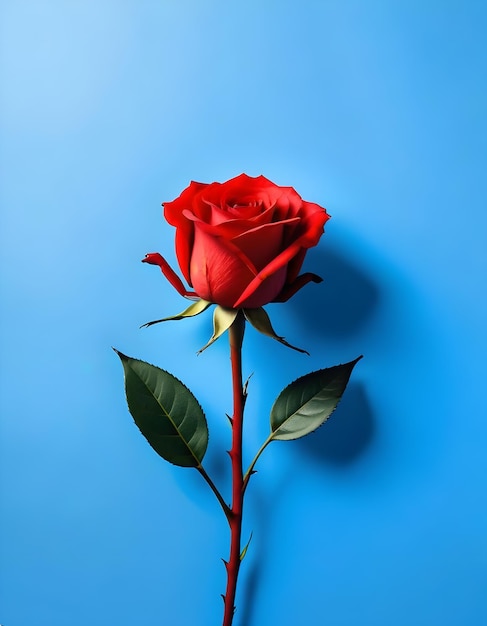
(313, 226)
(294, 266)
(173, 210)
(184, 246)
(219, 270)
(276, 264)
(262, 244)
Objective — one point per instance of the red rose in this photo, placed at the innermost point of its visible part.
(241, 243)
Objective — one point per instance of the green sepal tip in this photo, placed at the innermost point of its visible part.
(222, 320)
(260, 320)
(194, 309)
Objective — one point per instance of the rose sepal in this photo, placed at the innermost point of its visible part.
(260, 320)
(194, 309)
(222, 320)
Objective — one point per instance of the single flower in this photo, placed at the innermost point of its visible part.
(241, 243)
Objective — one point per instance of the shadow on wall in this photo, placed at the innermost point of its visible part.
(342, 305)
(340, 310)
(258, 558)
(346, 434)
(341, 440)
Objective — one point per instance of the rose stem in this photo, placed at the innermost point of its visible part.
(236, 333)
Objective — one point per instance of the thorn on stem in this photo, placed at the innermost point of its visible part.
(246, 385)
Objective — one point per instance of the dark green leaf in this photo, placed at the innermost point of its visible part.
(166, 412)
(308, 402)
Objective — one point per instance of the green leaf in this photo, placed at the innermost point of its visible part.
(261, 322)
(222, 320)
(308, 402)
(194, 309)
(166, 412)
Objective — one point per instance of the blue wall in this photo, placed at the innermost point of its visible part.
(375, 110)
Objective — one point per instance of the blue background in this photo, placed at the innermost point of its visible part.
(376, 110)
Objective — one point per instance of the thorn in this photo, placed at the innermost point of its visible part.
(230, 419)
(246, 385)
(225, 563)
(223, 597)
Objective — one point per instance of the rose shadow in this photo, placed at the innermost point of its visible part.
(346, 434)
(342, 305)
(340, 311)
(340, 441)
(258, 553)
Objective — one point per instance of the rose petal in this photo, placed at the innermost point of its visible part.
(231, 228)
(184, 245)
(294, 266)
(312, 225)
(266, 292)
(219, 271)
(248, 213)
(313, 229)
(174, 215)
(245, 189)
(173, 210)
(276, 264)
(262, 244)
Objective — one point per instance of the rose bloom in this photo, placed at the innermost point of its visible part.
(241, 243)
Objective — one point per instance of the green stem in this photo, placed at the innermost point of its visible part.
(236, 333)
